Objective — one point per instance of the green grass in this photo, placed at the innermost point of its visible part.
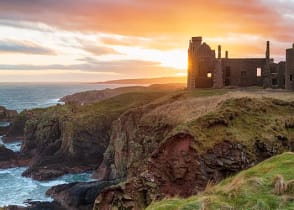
(251, 189)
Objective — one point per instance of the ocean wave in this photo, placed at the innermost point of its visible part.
(16, 189)
(52, 183)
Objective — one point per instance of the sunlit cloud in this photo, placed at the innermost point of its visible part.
(119, 67)
(95, 49)
(54, 76)
(10, 46)
(153, 42)
(35, 26)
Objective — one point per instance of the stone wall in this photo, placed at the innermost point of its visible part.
(289, 69)
(242, 71)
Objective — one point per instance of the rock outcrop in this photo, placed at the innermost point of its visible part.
(6, 154)
(15, 131)
(36, 205)
(78, 196)
(73, 138)
(9, 159)
(134, 136)
(6, 114)
(183, 157)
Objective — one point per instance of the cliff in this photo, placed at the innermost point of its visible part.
(73, 138)
(160, 142)
(15, 131)
(176, 145)
(6, 116)
(268, 185)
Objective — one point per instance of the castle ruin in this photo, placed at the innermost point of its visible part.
(205, 70)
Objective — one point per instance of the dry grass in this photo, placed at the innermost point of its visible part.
(282, 187)
(186, 109)
(233, 186)
(279, 184)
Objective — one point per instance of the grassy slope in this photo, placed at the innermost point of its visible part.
(250, 189)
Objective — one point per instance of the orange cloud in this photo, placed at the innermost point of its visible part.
(153, 17)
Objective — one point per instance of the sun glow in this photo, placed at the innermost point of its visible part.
(176, 59)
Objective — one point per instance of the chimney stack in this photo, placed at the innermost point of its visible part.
(267, 54)
(227, 54)
(219, 55)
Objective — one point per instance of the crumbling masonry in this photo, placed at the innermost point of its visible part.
(205, 70)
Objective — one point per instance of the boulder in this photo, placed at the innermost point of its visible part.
(78, 196)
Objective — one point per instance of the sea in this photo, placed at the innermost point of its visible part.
(14, 188)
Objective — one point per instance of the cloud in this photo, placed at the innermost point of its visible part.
(10, 46)
(26, 25)
(94, 49)
(160, 42)
(131, 68)
(153, 17)
(97, 50)
(172, 20)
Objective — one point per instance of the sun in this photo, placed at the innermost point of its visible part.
(175, 59)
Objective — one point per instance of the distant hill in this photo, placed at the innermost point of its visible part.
(161, 80)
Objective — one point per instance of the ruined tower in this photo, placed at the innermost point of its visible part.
(194, 44)
(201, 64)
(266, 71)
(289, 80)
(218, 73)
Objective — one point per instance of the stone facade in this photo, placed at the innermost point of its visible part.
(290, 69)
(242, 71)
(207, 71)
(201, 64)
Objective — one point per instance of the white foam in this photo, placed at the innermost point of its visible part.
(52, 183)
(16, 189)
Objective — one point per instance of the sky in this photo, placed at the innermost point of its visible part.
(98, 40)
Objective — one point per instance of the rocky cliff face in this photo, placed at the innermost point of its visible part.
(6, 116)
(180, 158)
(78, 196)
(139, 131)
(73, 138)
(10, 159)
(125, 147)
